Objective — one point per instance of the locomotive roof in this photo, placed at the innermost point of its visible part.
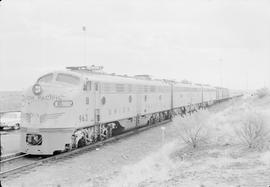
(179, 84)
(208, 87)
(112, 78)
(132, 80)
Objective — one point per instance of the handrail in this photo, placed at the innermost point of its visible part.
(8, 111)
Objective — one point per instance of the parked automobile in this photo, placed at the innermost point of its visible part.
(10, 121)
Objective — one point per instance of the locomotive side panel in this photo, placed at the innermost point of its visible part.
(181, 96)
(209, 94)
(225, 93)
(196, 96)
(117, 106)
(153, 98)
(186, 95)
(218, 93)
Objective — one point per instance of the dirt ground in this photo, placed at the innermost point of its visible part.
(151, 159)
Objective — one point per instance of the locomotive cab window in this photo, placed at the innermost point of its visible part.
(87, 86)
(67, 78)
(46, 78)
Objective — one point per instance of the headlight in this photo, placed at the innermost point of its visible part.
(37, 89)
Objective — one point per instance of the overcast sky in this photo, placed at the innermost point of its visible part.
(220, 42)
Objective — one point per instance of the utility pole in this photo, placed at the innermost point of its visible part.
(85, 44)
(220, 72)
(247, 81)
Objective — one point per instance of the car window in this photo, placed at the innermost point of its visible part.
(67, 78)
(46, 78)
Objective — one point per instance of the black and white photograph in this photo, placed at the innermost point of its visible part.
(135, 93)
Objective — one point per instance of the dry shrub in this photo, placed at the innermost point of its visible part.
(221, 125)
(262, 92)
(253, 130)
(153, 168)
(193, 129)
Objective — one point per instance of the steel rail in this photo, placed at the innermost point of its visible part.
(13, 158)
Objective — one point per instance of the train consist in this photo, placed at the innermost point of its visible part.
(67, 109)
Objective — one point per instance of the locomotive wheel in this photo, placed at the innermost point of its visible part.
(82, 142)
(154, 120)
(104, 136)
(57, 152)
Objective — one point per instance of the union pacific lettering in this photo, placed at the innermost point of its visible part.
(49, 97)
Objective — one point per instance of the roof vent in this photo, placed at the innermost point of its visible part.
(144, 77)
(185, 81)
(206, 84)
(170, 81)
(91, 68)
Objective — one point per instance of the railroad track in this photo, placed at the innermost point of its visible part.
(8, 169)
(8, 159)
(17, 163)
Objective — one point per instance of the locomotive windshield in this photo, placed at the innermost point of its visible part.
(67, 78)
(46, 78)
